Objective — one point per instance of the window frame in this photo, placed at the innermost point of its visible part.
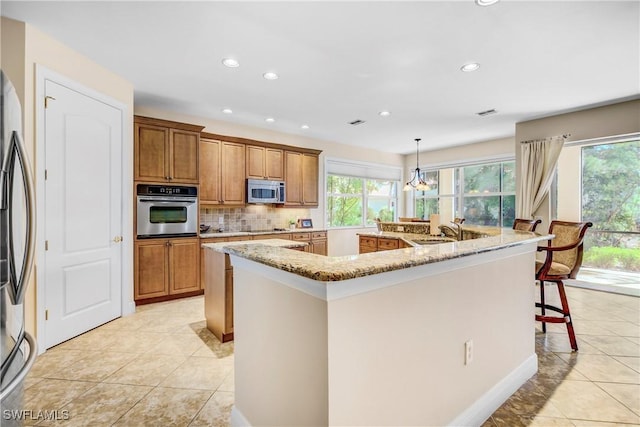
(371, 172)
(459, 193)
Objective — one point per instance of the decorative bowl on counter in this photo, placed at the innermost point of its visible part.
(204, 228)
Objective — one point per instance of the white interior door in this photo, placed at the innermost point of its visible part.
(83, 213)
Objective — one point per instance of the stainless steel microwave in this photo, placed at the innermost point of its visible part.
(264, 191)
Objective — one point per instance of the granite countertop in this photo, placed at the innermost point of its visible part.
(275, 243)
(256, 233)
(331, 269)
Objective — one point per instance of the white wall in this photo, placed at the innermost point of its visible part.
(24, 46)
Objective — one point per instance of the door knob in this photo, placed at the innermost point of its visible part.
(117, 239)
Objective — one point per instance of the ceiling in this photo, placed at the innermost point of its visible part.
(343, 61)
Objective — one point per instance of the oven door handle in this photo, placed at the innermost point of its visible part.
(168, 202)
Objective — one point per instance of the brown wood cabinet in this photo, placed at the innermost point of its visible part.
(301, 177)
(374, 244)
(165, 151)
(368, 244)
(319, 242)
(164, 267)
(264, 163)
(222, 172)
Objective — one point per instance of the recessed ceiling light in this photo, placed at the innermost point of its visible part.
(269, 120)
(471, 66)
(385, 113)
(230, 62)
(305, 126)
(486, 2)
(227, 110)
(270, 75)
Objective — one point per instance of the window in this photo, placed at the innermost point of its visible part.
(355, 202)
(358, 193)
(483, 194)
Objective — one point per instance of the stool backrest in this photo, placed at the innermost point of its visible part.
(571, 235)
(526, 224)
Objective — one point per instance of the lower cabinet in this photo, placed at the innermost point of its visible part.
(166, 267)
(319, 242)
(374, 244)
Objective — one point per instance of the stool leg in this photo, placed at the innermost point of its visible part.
(567, 316)
(542, 311)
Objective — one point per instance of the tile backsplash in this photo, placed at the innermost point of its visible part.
(250, 218)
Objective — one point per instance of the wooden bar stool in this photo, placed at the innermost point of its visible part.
(563, 260)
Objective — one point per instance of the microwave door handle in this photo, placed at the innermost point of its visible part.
(18, 153)
(277, 193)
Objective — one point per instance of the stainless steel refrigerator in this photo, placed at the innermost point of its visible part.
(17, 242)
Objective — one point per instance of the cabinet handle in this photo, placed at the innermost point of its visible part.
(167, 178)
(167, 243)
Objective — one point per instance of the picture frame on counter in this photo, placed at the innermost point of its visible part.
(305, 223)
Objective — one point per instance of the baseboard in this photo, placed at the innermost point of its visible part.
(481, 409)
(237, 419)
(474, 415)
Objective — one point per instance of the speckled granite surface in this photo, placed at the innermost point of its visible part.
(257, 233)
(279, 243)
(331, 269)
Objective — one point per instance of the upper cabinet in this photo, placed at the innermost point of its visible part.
(301, 177)
(264, 163)
(165, 151)
(222, 171)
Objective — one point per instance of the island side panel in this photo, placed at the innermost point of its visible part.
(280, 352)
(397, 354)
(218, 294)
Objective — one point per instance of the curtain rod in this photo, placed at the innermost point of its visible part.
(565, 136)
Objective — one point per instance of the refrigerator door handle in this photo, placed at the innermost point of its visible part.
(18, 152)
(19, 378)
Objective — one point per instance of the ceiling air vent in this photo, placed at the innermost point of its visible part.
(487, 112)
(356, 122)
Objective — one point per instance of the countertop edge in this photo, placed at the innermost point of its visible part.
(333, 269)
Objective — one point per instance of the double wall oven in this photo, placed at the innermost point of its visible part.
(166, 211)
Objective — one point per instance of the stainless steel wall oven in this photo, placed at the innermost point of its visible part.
(166, 211)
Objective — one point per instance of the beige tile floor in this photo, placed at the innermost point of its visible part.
(162, 367)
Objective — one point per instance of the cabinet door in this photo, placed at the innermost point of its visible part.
(210, 171)
(309, 179)
(319, 247)
(184, 156)
(255, 162)
(151, 153)
(274, 164)
(233, 173)
(293, 177)
(184, 265)
(151, 269)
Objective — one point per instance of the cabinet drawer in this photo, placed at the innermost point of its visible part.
(301, 236)
(319, 235)
(369, 242)
(386, 244)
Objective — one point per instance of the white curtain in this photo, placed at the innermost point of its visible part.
(538, 164)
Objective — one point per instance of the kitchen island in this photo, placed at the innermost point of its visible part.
(218, 284)
(379, 338)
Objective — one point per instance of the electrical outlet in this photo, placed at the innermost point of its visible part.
(221, 221)
(468, 352)
(400, 228)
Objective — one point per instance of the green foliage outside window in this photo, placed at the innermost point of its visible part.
(347, 197)
(611, 200)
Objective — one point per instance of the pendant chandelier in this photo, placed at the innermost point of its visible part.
(416, 182)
